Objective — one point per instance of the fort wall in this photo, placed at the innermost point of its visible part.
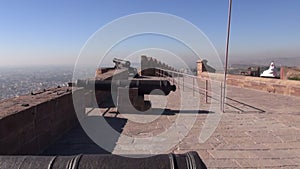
(29, 123)
(148, 65)
(279, 86)
(289, 72)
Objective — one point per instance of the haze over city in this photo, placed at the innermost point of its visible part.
(54, 32)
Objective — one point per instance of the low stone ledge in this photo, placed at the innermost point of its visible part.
(29, 123)
(279, 86)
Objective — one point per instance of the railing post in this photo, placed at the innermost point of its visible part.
(193, 86)
(173, 76)
(182, 82)
(178, 82)
(221, 98)
(206, 90)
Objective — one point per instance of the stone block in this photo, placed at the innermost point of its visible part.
(280, 89)
(16, 122)
(28, 133)
(58, 130)
(10, 144)
(44, 110)
(43, 126)
(230, 154)
(45, 139)
(30, 148)
(295, 91)
(221, 163)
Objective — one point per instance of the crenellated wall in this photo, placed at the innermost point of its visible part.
(148, 65)
(29, 123)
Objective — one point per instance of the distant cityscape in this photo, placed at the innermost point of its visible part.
(16, 81)
(19, 81)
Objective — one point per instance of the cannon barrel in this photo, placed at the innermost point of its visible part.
(144, 86)
(190, 160)
(121, 63)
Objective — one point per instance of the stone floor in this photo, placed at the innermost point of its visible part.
(257, 129)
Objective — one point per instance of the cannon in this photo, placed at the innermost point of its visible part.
(122, 81)
(121, 63)
(125, 64)
(189, 160)
(122, 90)
(143, 86)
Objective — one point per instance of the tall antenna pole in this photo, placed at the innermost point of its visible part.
(226, 54)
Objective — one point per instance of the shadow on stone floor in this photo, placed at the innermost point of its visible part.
(167, 112)
(76, 141)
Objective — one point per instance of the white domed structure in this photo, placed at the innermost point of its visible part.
(271, 72)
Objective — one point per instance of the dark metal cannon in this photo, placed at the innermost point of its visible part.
(124, 64)
(122, 85)
(190, 160)
(143, 86)
(121, 63)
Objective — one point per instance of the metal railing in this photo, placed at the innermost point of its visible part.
(182, 81)
(218, 96)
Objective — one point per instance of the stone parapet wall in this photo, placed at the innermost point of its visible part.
(285, 87)
(148, 65)
(289, 72)
(29, 123)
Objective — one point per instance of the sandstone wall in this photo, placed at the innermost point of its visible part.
(289, 72)
(286, 87)
(28, 124)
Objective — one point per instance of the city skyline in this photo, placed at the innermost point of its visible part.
(42, 33)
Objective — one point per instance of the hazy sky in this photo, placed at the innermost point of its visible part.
(53, 32)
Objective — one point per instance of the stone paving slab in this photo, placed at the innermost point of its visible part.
(265, 140)
(242, 139)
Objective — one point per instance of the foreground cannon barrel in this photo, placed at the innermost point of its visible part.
(144, 86)
(190, 160)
